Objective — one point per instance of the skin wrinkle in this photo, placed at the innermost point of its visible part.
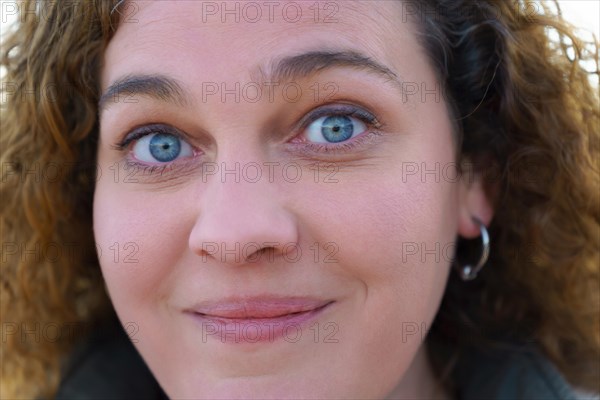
(355, 15)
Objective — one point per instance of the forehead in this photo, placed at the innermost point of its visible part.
(230, 40)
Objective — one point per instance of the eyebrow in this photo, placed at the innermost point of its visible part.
(159, 87)
(306, 64)
(166, 89)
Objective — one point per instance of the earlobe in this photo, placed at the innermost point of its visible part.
(468, 272)
(474, 203)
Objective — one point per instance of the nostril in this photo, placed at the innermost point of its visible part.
(264, 253)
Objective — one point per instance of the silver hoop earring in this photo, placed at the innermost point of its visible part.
(468, 272)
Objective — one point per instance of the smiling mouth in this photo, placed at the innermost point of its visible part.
(257, 319)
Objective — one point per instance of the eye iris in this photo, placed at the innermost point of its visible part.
(165, 147)
(337, 128)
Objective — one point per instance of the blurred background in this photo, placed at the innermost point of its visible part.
(582, 13)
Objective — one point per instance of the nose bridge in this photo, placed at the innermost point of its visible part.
(240, 213)
(231, 191)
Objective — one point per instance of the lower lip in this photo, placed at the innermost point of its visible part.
(289, 327)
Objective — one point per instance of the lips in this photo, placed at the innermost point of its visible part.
(258, 307)
(257, 319)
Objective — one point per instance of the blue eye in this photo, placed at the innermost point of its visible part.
(334, 129)
(161, 147)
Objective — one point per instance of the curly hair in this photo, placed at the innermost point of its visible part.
(524, 109)
(529, 122)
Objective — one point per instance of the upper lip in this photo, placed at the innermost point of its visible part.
(257, 307)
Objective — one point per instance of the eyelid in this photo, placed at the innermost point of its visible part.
(324, 110)
(339, 109)
(299, 145)
(145, 130)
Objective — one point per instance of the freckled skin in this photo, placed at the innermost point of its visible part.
(362, 221)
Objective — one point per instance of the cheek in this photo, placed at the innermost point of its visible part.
(395, 237)
(140, 235)
(396, 240)
(395, 224)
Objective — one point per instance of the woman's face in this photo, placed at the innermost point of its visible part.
(278, 200)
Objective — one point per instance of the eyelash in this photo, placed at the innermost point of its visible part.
(140, 132)
(371, 122)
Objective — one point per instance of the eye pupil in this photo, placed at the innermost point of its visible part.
(165, 147)
(337, 128)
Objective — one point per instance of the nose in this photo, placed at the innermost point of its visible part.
(239, 220)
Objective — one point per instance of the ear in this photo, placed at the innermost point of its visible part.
(473, 202)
